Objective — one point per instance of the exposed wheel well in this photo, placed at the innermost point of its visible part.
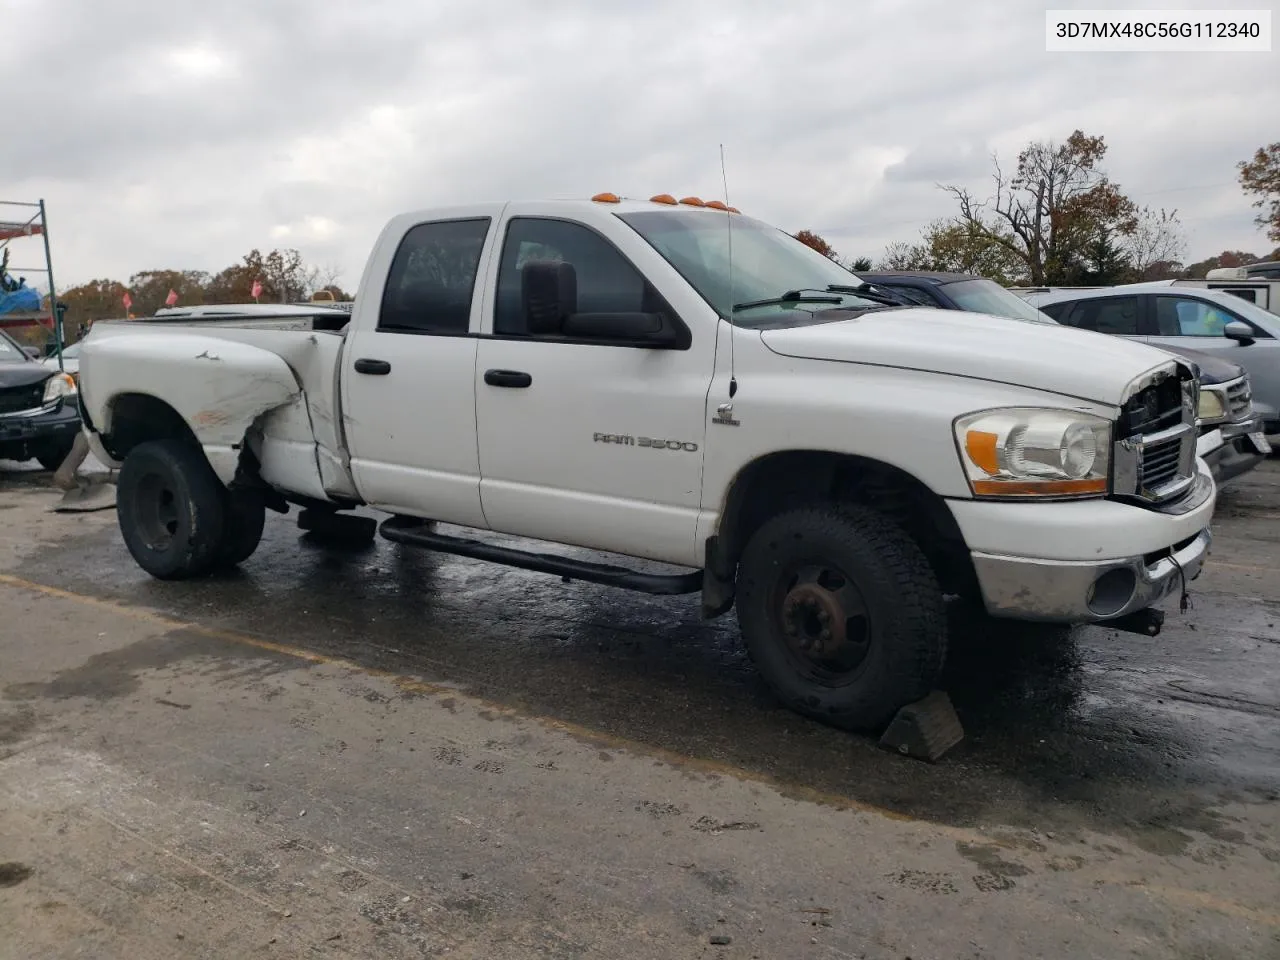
(785, 481)
(138, 417)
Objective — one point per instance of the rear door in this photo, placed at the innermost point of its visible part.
(409, 373)
(1120, 316)
(595, 443)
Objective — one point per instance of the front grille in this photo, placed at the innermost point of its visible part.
(1239, 399)
(1156, 441)
(15, 399)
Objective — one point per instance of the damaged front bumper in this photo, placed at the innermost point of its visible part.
(1062, 591)
(1113, 560)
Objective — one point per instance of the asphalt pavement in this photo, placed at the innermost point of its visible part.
(377, 751)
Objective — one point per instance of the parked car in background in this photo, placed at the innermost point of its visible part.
(70, 359)
(1178, 318)
(38, 415)
(1226, 418)
(954, 291)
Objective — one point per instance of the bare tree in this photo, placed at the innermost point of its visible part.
(1052, 206)
(1156, 240)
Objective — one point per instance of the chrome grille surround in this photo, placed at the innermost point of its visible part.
(1154, 453)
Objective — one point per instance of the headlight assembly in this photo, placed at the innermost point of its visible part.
(1210, 406)
(59, 385)
(1035, 452)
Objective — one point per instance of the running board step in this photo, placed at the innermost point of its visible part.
(416, 533)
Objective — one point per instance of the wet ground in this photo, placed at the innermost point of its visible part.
(1115, 795)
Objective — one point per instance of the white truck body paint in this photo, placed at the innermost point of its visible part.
(429, 437)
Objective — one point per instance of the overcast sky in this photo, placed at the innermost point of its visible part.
(181, 134)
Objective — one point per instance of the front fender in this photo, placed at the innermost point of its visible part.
(218, 387)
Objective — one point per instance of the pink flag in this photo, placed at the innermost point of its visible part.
(256, 292)
(172, 298)
(127, 300)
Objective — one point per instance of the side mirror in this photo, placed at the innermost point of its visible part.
(647, 329)
(1239, 331)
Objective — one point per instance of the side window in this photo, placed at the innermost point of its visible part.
(1184, 317)
(593, 278)
(1117, 316)
(432, 278)
(1056, 310)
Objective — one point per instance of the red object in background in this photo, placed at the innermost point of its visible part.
(171, 299)
(256, 291)
(127, 300)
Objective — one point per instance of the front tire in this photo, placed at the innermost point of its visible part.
(170, 506)
(841, 613)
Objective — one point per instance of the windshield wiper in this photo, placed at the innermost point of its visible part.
(866, 291)
(791, 296)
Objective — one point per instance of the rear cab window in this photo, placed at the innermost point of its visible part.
(433, 278)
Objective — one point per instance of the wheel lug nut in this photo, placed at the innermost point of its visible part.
(824, 617)
(825, 635)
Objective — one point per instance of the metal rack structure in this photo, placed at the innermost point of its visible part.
(31, 220)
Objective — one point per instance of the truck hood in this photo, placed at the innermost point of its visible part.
(1075, 363)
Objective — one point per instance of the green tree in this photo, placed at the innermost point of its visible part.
(95, 300)
(150, 288)
(861, 265)
(282, 273)
(1104, 263)
(1050, 210)
(1261, 176)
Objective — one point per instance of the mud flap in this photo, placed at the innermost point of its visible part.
(925, 729)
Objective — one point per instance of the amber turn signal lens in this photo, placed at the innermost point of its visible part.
(606, 198)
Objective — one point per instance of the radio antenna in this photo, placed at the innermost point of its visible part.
(724, 179)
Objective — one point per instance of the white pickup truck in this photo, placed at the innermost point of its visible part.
(677, 382)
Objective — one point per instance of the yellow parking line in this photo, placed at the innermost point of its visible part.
(597, 737)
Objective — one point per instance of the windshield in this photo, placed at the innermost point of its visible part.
(980, 295)
(767, 263)
(1250, 311)
(10, 352)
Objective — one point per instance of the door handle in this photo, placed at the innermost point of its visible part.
(507, 378)
(378, 368)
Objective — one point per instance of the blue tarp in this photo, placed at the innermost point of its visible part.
(22, 300)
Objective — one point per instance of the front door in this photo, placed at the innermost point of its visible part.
(589, 442)
(409, 382)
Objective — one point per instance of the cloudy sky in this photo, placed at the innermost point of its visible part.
(177, 133)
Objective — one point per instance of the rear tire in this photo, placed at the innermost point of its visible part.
(170, 507)
(842, 614)
(244, 515)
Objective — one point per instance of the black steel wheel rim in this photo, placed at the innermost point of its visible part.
(823, 622)
(157, 511)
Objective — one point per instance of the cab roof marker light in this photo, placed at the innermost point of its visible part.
(692, 202)
(606, 198)
(663, 198)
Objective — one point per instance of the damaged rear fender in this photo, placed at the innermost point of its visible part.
(218, 387)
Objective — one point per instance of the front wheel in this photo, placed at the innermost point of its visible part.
(170, 506)
(841, 613)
